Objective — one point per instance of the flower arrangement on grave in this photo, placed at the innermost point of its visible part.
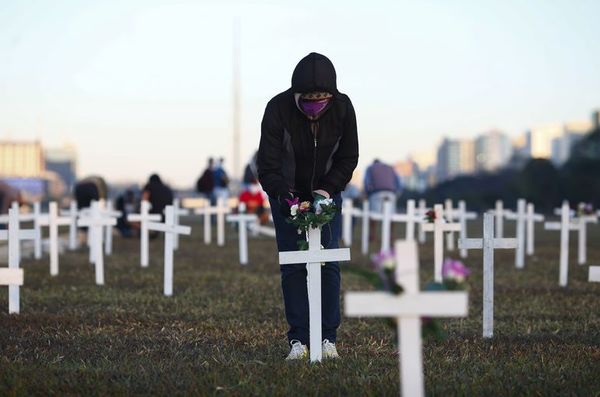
(430, 216)
(454, 275)
(306, 215)
(585, 209)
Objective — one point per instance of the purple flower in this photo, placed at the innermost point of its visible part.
(384, 259)
(455, 270)
(293, 201)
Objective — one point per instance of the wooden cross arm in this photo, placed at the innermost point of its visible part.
(265, 230)
(162, 227)
(384, 304)
(497, 243)
(376, 216)
(470, 215)
(238, 217)
(428, 226)
(330, 255)
(11, 276)
(406, 218)
(58, 221)
(538, 217)
(557, 226)
(28, 234)
(447, 227)
(356, 212)
(140, 218)
(96, 222)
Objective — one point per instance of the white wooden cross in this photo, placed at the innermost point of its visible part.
(13, 276)
(143, 218)
(385, 217)
(531, 218)
(450, 215)
(170, 228)
(408, 308)
(594, 274)
(582, 221)
(462, 216)
(564, 226)
(409, 218)
(243, 220)
(364, 244)
(348, 215)
(37, 227)
(72, 213)
(220, 210)
(520, 216)
(178, 212)
(439, 227)
(107, 210)
(95, 222)
(500, 214)
(488, 244)
(422, 212)
(314, 257)
(53, 221)
(22, 217)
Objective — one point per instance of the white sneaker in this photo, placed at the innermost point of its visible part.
(329, 350)
(298, 351)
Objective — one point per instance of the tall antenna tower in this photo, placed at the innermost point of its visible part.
(236, 171)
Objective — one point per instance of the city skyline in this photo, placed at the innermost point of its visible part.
(107, 81)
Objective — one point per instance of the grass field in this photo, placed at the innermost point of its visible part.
(223, 331)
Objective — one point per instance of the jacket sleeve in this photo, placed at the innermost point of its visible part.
(268, 161)
(346, 157)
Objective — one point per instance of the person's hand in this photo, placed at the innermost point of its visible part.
(284, 207)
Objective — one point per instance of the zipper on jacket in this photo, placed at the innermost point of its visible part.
(314, 126)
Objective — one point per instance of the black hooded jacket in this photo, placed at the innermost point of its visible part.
(299, 155)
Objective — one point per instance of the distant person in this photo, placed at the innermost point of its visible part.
(126, 204)
(206, 183)
(254, 199)
(250, 172)
(221, 181)
(88, 189)
(381, 184)
(8, 194)
(308, 149)
(158, 194)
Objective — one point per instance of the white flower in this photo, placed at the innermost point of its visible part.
(320, 203)
(294, 209)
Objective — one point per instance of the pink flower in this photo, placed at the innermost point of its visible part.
(304, 206)
(455, 270)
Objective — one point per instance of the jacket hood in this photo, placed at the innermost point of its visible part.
(314, 72)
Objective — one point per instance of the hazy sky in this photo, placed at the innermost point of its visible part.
(143, 86)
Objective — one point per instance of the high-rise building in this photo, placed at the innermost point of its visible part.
(573, 132)
(21, 159)
(493, 151)
(63, 162)
(539, 140)
(455, 157)
(596, 119)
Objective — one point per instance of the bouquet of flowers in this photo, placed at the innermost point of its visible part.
(585, 209)
(454, 275)
(305, 215)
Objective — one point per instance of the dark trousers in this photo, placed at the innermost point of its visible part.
(293, 278)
